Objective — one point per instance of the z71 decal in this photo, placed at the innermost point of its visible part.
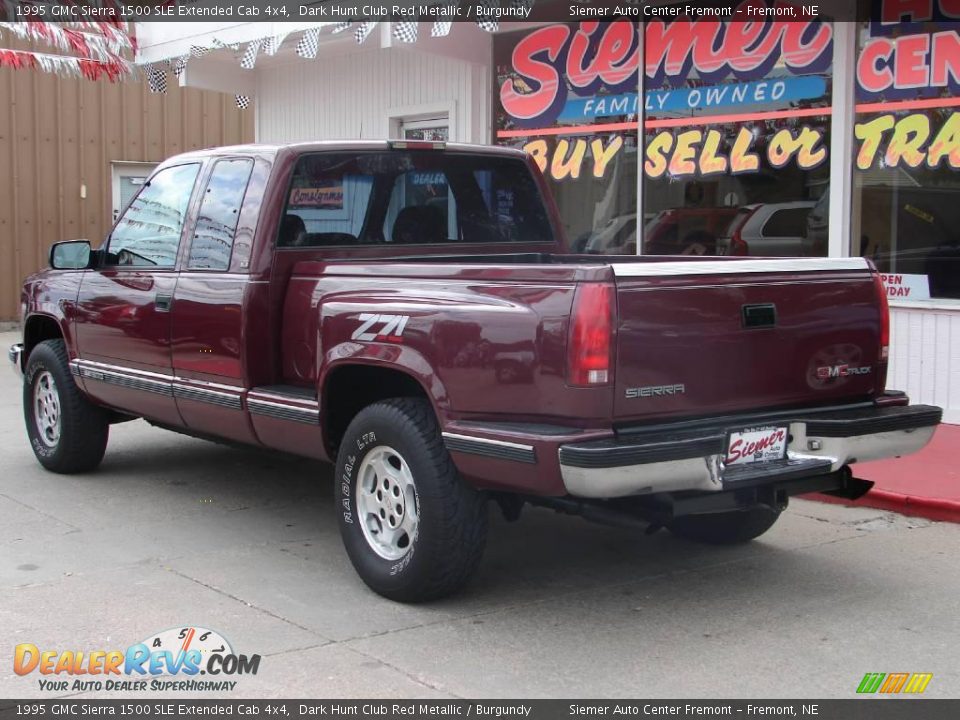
(374, 326)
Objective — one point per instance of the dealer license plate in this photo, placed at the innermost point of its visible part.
(758, 444)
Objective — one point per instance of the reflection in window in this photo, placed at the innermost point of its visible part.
(219, 214)
(148, 234)
(580, 130)
(736, 139)
(906, 169)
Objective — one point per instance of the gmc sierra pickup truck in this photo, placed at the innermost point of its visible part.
(405, 310)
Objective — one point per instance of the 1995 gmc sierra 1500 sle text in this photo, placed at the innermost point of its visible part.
(404, 310)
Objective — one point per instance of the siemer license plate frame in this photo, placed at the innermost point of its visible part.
(771, 439)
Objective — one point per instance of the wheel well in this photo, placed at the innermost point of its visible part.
(37, 329)
(350, 389)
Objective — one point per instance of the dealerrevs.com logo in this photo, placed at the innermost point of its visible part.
(172, 660)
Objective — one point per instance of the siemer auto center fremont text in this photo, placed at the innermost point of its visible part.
(687, 709)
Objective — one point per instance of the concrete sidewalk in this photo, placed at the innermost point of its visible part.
(925, 484)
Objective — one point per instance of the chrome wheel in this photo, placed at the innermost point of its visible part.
(46, 409)
(387, 503)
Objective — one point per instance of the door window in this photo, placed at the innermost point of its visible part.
(148, 234)
(219, 213)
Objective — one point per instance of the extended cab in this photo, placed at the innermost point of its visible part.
(405, 310)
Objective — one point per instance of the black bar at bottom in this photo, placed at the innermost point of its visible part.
(859, 707)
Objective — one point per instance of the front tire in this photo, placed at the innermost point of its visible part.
(413, 529)
(68, 433)
(727, 528)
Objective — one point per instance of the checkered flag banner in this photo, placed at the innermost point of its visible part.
(249, 58)
(272, 45)
(243, 101)
(198, 51)
(405, 31)
(488, 25)
(157, 79)
(440, 29)
(180, 64)
(341, 26)
(222, 45)
(309, 43)
(363, 29)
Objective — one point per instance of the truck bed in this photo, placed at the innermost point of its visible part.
(694, 336)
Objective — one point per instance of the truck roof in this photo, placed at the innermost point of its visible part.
(280, 149)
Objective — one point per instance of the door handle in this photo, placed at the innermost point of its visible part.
(163, 302)
(759, 316)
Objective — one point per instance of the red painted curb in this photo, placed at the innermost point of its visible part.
(931, 508)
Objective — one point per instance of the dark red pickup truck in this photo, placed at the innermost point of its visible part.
(404, 310)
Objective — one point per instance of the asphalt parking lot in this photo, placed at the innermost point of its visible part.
(173, 531)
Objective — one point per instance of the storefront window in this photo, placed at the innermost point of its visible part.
(567, 94)
(737, 136)
(906, 170)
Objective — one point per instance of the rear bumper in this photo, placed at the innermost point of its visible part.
(681, 458)
(15, 356)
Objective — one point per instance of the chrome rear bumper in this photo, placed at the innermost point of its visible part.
(15, 355)
(672, 460)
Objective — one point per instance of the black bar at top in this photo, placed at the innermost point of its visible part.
(502, 11)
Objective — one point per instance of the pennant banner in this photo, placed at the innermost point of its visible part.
(249, 59)
(440, 29)
(362, 31)
(180, 64)
(405, 31)
(157, 79)
(90, 45)
(309, 44)
(272, 44)
(65, 65)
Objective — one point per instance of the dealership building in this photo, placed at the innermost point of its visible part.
(816, 136)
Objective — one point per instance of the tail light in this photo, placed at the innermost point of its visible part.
(590, 347)
(884, 315)
(738, 246)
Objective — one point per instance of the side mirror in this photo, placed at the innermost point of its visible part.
(71, 255)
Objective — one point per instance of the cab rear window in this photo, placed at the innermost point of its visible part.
(411, 198)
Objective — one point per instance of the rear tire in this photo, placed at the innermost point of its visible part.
(413, 529)
(728, 528)
(68, 433)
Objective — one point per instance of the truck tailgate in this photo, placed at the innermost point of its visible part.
(706, 337)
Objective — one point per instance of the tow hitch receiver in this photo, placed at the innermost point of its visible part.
(658, 510)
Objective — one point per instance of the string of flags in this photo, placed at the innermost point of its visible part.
(66, 65)
(96, 46)
(100, 47)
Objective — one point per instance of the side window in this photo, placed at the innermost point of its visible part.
(219, 214)
(148, 234)
(787, 223)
